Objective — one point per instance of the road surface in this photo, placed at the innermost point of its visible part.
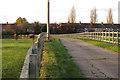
(93, 61)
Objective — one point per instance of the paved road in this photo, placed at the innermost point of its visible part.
(93, 61)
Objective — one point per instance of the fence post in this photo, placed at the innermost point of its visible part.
(105, 35)
(93, 35)
(90, 35)
(109, 36)
(113, 37)
(97, 35)
(33, 66)
(117, 37)
(85, 35)
(38, 54)
(34, 62)
(82, 35)
(100, 35)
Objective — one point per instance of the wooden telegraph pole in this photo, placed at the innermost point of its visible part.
(48, 20)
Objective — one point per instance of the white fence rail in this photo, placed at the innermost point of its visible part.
(111, 37)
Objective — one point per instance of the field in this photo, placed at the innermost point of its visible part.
(57, 63)
(13, 55)
(110, 46)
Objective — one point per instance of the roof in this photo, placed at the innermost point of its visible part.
(80, 25)
(88, 25)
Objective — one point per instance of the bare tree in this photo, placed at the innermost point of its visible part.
(93, 15)
(110, 17)
(72, 16)
(68, 19)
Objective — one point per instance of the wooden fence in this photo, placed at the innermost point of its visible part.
(112, 37)
(32, 61)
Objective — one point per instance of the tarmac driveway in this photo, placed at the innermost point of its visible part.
(93, 61)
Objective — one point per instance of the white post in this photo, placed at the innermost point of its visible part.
(48, 20)
(109, 35)
(117, 37)
(100, 35)
(113, 36)
(105, 35)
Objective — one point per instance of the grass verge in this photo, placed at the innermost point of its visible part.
(57, 63)
(13, 56)
(110, 46)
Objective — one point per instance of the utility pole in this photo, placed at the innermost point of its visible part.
(48, 20)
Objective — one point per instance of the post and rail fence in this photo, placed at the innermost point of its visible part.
(111, 37)
(32, 61)
(32, 64)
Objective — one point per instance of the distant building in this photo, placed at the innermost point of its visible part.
(87, 27)
(9, 28)
(62, 28)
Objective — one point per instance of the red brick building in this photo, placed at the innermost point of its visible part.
(61, 28)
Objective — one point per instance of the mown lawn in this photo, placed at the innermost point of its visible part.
(13, 55)
(57, 63)
(110, 46)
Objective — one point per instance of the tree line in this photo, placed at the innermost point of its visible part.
(22, 26)
(93, 16)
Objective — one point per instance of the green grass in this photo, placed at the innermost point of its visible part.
(0, 58)
(110, 46)
(57, 63)
(13, 56)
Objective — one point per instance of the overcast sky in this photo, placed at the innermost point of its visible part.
(36, 10)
